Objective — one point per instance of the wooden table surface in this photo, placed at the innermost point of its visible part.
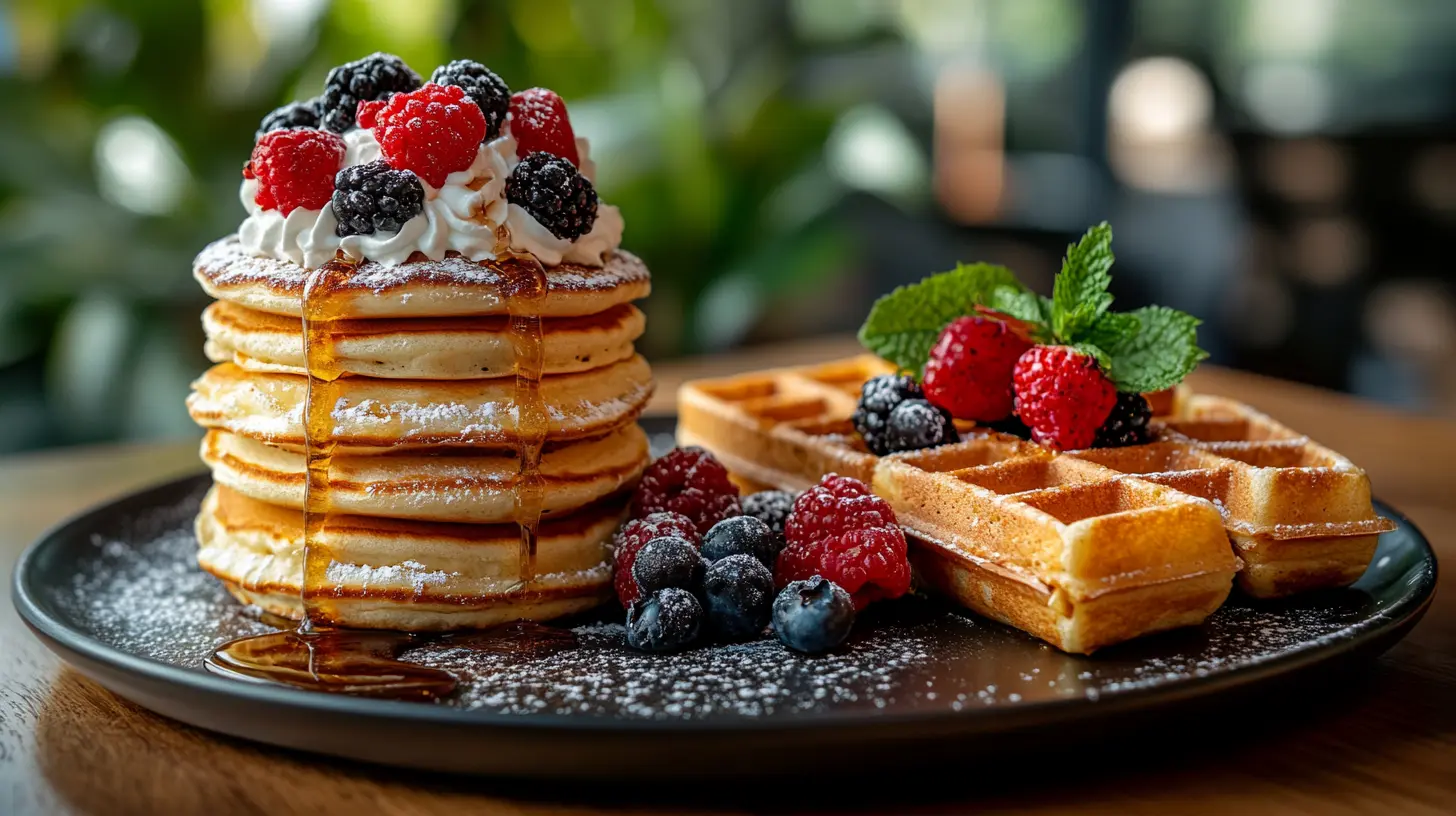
(1380, 741)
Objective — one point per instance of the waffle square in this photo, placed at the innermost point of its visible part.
(1081, 549)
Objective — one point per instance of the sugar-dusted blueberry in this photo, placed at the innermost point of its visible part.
(741, 535)
(813, 615)
(739, 593)
(667, 561)
(665, 621)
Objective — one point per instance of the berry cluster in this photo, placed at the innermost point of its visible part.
(829, 551)
(426, 131)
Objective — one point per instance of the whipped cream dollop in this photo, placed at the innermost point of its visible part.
(468, 215)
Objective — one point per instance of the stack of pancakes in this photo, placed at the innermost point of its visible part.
(422, 532)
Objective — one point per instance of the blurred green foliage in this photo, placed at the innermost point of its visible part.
(128, 122)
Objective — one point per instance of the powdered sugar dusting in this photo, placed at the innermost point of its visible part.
(414, 573)
(138, 589)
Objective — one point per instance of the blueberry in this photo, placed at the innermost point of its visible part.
(813, 615)
(665, 621)
(667, 561)
(772, 507)
(739, 593)
(741, 535)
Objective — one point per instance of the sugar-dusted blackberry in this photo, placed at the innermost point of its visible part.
(771, 507)
(481, 84)
(916, 424)
(1127, 424)
(555, 194)
(376, 76)
(374, 197)
(880, 397)
(303, 114)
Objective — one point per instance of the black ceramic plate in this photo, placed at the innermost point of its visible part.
(116, 594)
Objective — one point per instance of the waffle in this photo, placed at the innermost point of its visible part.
(1083, 549)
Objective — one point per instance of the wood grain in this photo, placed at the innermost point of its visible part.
(1378, 741)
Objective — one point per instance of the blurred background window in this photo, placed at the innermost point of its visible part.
(1286, 169)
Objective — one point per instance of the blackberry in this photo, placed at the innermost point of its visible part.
(293, 115)
(739, 592)
(482, 85)
(814, 615)
(772, 507)
(554, 193)
(376, 76)
(921, 425)
(742, 535)
(665, 621)
(374, 197)
(666, 562)
(1127, 424)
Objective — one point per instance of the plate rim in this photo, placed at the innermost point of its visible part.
(64, 640)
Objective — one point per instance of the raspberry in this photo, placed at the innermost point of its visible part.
(633, 536)
(539, 122)
(969, 372)
(1127, 424)
(549, 188)
(1062, 396)
(488, 90)
(293, 115)
(433, 132)
(920, 427)
(376, 76)
(295, 168)
(691, 482)
(841, 531)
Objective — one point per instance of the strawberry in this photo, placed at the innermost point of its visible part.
(539, 122)
(969, 372)
(1062, 396)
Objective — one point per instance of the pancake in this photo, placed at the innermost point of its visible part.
(458, 488)
(374, 414)
(451, 287)
(410, 576)
(422, 348)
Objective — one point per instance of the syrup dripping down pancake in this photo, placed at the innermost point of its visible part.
(408, 575)
(465, 486)
(376, 415)
(420, 348)
(452, 287)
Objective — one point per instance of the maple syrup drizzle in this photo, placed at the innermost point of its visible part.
(314, 655)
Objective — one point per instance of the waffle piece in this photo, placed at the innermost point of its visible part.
(1079, 556)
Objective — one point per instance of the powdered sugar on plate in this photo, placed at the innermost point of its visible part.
(137, 589)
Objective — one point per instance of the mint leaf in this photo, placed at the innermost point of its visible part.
(1022, 304)
(1079, 294)
(1162, 351)
(1113, 329)
(1102, 357)
(903, 325)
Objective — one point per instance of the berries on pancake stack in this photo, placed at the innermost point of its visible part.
(295, 168)
(288, 117)
(433, 132)
(482, 85)
(687, 481)
(893, 416)
(555, 194)
(539, 123)
(842, 531)
(1071, 371)
(374, 197)
(377, 76)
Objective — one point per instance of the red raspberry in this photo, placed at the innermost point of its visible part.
(839, 530)
(969, 372)
(432, 132)
(636, 533)
(369, 113)
(295, 168)
(1062, 396)
(539, 122)
(691, 482)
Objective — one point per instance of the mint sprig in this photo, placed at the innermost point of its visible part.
(1145, 350)
(903, 325)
